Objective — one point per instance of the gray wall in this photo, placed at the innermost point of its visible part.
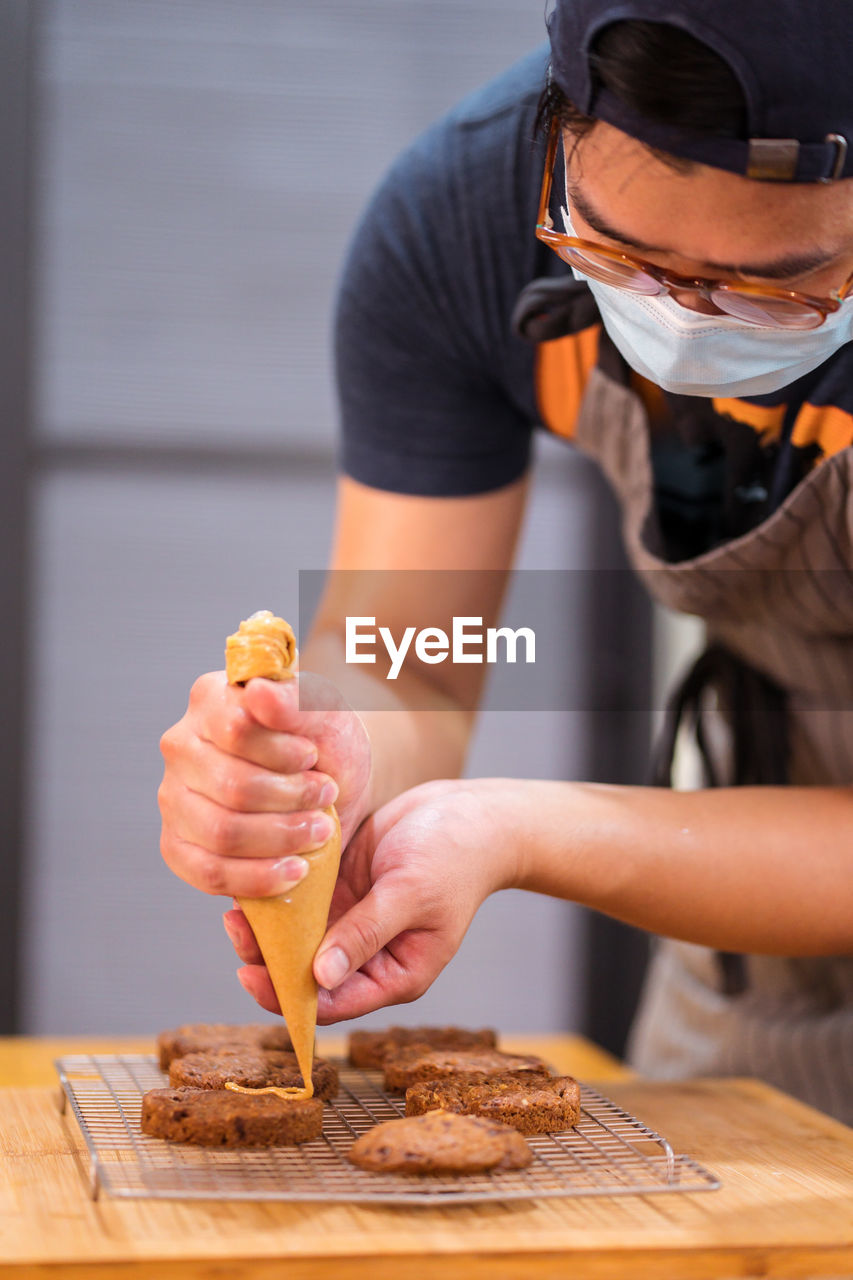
(200, 165)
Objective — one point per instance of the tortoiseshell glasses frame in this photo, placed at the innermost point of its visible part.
(764, 305)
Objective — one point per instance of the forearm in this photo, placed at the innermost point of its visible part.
(765, 870)
(412, 560)
(416, 732)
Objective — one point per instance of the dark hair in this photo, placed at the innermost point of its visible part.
(662, 73)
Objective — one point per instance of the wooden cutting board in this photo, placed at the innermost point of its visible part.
(785, 1209)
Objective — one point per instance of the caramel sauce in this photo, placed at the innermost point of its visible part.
(288, 1092)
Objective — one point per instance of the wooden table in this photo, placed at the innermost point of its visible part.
(785, 1208)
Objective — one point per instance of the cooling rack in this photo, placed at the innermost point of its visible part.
(609, 1153)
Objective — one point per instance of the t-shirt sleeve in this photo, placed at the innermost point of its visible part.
(425, 356)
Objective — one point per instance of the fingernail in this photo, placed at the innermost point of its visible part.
(320, 830)
(310, 760)
(331, 967)
(288, 872)
(328, 795)
(228, 928)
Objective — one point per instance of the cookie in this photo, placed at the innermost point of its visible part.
(528, 1102)
(410, 1066)
(439, 1143)
(251, 1068)
(219, 1118)
(370, 1048)
(201, 1037)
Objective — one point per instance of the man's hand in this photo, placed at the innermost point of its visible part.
(246, 779)
(410, 883)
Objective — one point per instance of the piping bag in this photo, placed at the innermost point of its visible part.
(289, 927)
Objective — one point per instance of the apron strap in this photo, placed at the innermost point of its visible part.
(755, 709)
(552, 307)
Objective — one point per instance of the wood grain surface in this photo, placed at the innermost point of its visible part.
(785, 1209)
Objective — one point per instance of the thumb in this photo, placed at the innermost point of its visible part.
(357, 936)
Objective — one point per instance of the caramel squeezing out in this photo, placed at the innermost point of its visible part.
(263, 645)
(287, 1092)
(290, 926)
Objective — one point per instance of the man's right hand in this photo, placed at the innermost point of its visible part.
(247, 776)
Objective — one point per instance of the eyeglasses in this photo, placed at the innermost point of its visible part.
(752, 303)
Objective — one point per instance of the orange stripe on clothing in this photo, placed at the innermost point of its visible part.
(825, 425)
(652, 397)
(562, 368)
(766, 420)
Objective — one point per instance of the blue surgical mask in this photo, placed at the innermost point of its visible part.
(693, 354)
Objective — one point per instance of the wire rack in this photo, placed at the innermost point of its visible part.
(608, 1153)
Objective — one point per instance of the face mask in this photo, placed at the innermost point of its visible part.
(700, 355)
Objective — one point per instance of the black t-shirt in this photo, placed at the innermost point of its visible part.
(440, 395)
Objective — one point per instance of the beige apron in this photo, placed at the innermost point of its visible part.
(781, 599)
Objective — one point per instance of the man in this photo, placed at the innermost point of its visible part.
(691, 332)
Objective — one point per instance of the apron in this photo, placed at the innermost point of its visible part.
(780, 599)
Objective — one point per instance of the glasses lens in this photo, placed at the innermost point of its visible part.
(610, 270)
(761, 309)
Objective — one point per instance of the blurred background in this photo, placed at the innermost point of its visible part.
(180, 179)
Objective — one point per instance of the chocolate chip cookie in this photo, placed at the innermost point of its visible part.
(251, 1068)
(528, 1102)
(219, 1118)
(440, 1143)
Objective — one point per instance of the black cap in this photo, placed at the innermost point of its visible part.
(792, 59)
